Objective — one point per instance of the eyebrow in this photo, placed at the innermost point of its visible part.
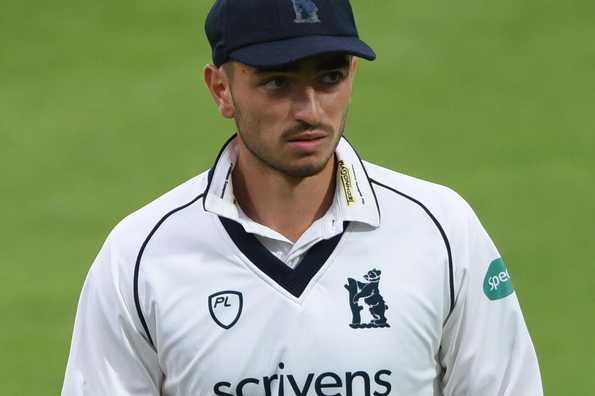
(326, 63)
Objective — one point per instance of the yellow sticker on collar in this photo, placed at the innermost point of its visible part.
(345, 177)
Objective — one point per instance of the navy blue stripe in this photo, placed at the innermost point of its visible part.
(295, 280)
(442, 233)
(138, 263)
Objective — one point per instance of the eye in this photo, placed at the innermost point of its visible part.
(275, 83)
(332, 77)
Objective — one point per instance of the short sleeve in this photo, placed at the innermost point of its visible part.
(486, 349)
(109, 355)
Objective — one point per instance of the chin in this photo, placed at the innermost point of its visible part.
(304, 170)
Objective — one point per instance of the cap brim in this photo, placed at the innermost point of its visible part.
(282, 52)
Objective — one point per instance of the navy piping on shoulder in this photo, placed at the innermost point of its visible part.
(139, 259)
(442, 233)
(295, 280)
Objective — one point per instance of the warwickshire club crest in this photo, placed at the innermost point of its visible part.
(305, 11)
(226, 307)
(369, 292)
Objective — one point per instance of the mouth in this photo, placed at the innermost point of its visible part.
(307, 142)
(308, 136)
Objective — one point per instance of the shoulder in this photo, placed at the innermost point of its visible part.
(400, 195)
(128, 237)
(440, 201)
(456, 221)
(444, 210)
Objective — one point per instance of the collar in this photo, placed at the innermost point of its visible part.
(354, 199)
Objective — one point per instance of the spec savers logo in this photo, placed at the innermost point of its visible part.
(497, 283)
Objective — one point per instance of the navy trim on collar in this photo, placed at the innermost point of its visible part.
(295, 280)
(212, 170)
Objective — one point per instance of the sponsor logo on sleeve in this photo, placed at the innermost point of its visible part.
(497, 283)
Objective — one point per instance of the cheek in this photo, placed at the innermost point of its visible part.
(262, 119)
(265, 113)
(335, 106)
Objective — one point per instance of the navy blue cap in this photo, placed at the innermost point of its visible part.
(268, 33)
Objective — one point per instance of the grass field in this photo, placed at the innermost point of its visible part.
(102, 109)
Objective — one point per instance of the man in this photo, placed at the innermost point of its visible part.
(292, 267)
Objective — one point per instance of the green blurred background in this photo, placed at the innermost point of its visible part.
(102, 109)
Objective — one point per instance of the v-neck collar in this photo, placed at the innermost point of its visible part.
(295, 280)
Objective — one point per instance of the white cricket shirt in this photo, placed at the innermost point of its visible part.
(409, 298)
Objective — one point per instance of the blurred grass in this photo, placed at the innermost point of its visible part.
(102, 109)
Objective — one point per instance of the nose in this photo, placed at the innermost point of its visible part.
(306, 105)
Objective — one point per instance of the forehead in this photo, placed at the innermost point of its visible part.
(311, 64)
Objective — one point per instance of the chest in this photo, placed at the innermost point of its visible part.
(368, 321)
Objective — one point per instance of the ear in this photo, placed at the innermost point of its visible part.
(218, 84)
(353, 64)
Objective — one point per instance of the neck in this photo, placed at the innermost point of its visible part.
(283, 203)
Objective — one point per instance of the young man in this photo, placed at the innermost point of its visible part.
(292, 267)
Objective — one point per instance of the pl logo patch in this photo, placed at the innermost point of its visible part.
(225, 307)
(370, 294)
(306, 11)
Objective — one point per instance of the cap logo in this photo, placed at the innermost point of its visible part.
(306, 11)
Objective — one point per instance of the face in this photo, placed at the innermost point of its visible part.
(290, 119)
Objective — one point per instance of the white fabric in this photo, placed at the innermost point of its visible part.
(151, 318)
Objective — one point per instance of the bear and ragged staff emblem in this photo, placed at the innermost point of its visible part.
(369, 292)
(306, 11)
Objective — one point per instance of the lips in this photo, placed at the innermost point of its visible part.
(307, 136)
(307, 142)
